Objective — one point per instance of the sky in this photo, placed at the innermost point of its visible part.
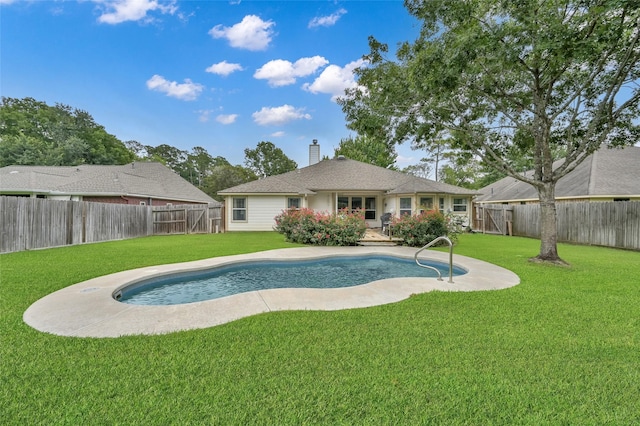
(222, 75)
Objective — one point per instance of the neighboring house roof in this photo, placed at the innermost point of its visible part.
(139, 179)
(609, 172)
(342, 174)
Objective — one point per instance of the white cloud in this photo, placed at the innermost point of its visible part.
(187, 91)
(118, 11)
(334, 80)
(224, 68)
(327, 21)
(252, 33)
(277, 134)
(282, 73)
(227, 118)
(279, 115)
(204, 115)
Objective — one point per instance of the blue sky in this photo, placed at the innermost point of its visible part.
(223, 75)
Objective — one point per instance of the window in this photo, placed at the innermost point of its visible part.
(343, 203)
(459, 204)
(293, 203)
(622, 199)
(426, 203)
(441, 205)
(356, 203)
(405, 206)
(370, 208)
(239, 210)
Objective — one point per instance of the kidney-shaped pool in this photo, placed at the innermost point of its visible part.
(90, 308)
(331, 272)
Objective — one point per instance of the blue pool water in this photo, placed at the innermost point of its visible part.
(223, 281)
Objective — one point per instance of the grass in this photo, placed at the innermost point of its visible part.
(563, 347)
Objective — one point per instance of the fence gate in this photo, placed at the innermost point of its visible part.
(494, 219)
(187, 219)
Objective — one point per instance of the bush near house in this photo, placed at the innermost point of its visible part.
(420, 229)
(304, 226)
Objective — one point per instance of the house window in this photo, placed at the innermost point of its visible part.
(405, 206)
(239, 210)
(426, 203)
(354, 203)
(459, 204)
(293, 203)
(343, 203)
(441, 204)
(370, 208)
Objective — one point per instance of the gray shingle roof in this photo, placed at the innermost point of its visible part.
(342, 174)
(144, 179)
(607, 172)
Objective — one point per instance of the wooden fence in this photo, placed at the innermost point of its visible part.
(611, 224)
(187, 219)
(493, 219)
(32, 223)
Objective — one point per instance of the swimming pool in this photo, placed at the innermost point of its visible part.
(88, 308)
(331, 272)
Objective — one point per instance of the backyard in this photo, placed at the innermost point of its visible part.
(563, 347)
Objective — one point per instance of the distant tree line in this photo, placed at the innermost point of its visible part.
(34, 133)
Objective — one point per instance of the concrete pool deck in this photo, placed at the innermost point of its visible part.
(88, 309)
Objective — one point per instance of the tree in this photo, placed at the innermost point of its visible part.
(225, 176)
(461, 172)
(535, 75)
(368, 150)
(32, 132)
(436, 151)
(268, 160)
(422, 169)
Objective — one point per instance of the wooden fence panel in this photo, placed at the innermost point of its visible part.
(32, 223)
(187, 219)
(115, 221)
(493, 219)
(611, 224)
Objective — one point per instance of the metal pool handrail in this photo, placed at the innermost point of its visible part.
(431, 267)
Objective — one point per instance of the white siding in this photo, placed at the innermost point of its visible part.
(261, 211)
(321, 202)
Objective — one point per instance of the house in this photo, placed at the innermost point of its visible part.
(142, 183)
(336, 184)
(609, 174)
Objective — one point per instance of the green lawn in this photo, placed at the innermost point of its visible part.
(563, 347)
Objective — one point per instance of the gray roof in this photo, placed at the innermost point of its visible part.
(607, 172)
(144, 179)
(343, 174)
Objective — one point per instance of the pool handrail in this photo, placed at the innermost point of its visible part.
(443, 238)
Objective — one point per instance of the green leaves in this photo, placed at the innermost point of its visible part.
(34, 133)
(368, 150)
(268, 160)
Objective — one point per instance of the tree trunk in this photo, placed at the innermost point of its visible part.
(548, 225)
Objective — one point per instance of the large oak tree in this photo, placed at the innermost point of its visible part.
(539, 76)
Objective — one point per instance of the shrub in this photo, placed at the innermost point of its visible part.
(305, 226)
(420, 229)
